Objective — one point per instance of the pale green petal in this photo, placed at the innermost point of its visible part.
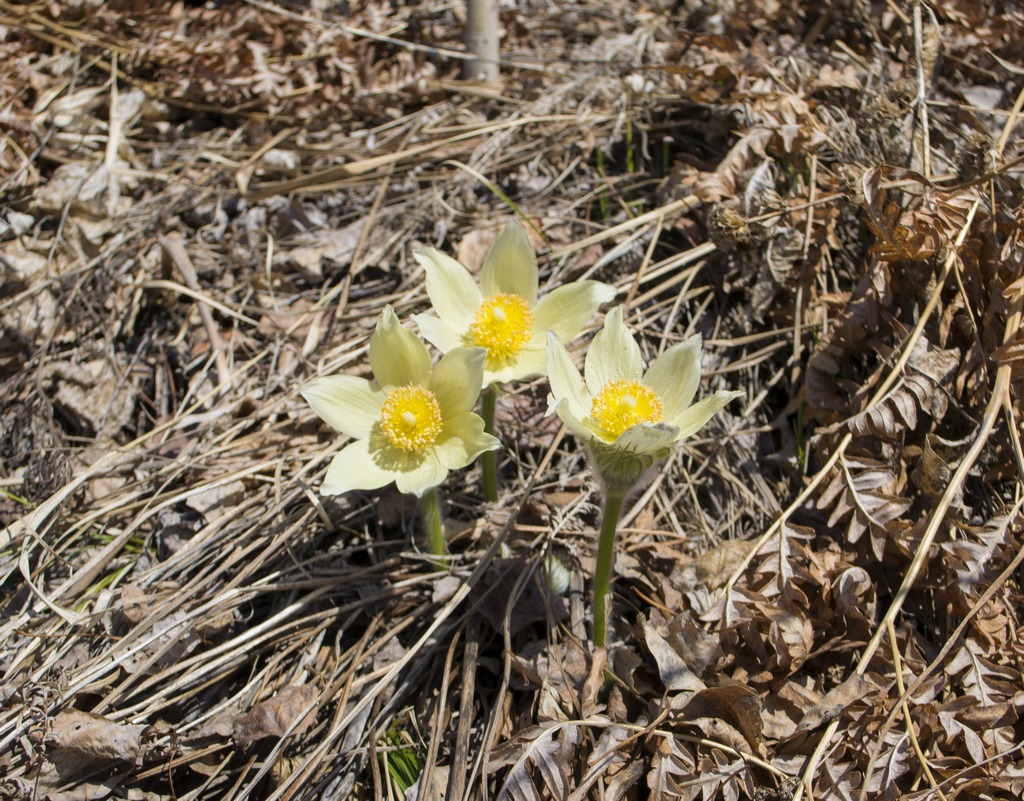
(462, 440)
(511, 265)
(438, 333)
(457, 380)
(346, 403)
(567, 309)
(428, 473)
(566, 381)
(397, 356)
(647, 438)
(355, 468)
(613, 354)
(452, 290)
(674, 376)
(694, 418)
(530, 361)
(562, 408)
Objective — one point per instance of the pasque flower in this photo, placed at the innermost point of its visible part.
(412, 424)
(503, 315)
(629, 418)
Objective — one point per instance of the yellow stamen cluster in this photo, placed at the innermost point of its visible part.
(503, 324)
(622, 404)
(411, 418)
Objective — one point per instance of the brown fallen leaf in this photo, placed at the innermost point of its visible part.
(714, 568)
(835, 701)
(275, 716)
(94, 394)
(733, 704)
(675, 674)
(336, 246)
(81, 742)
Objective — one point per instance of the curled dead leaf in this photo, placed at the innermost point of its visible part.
(81, 742)
(291, 711)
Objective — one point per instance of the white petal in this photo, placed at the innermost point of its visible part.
(355, 468)
(346, 403)
(674, 376)
(397, 356)
(511, 265)
(457, 380)
(453, 293)
(694, 418)
(567, 309)
(566, 381)
(438, 333)
(613, 354)
(462, 440)
(428, 473)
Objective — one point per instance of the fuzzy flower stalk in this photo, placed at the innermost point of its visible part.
(411, 425)
(504, 316)
(629, 420)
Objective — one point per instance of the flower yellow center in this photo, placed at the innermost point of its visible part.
(411, 418)
(503, 324)
(622, 404)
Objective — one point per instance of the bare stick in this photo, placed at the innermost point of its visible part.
(175, 251)
(481, 41)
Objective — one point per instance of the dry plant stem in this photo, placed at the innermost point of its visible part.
(907, 719)
(176, 253)
(603, 573)
(434, 527)
(489, 459)
(457, 778)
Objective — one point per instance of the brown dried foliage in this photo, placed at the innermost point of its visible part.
(817, 597)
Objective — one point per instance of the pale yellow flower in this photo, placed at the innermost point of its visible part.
(503, 315)
(412, 424)
(629, 417)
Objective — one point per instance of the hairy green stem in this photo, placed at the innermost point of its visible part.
(489, 459)
(434, 527)
(605, 557)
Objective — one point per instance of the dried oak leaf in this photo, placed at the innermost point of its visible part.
(734, 704)
(929, 371)
(861, 490)
(979, 555)
(293, 708)
(839, 780)
(95, 394)
(671, 764)
(913, 235)
(675, 674)
(550, 749)
(781, 569)
(81, 742)
(611, 759)
(984, 679)
(836, 701)
(891, 761)
(721, 775)
(853, 593)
